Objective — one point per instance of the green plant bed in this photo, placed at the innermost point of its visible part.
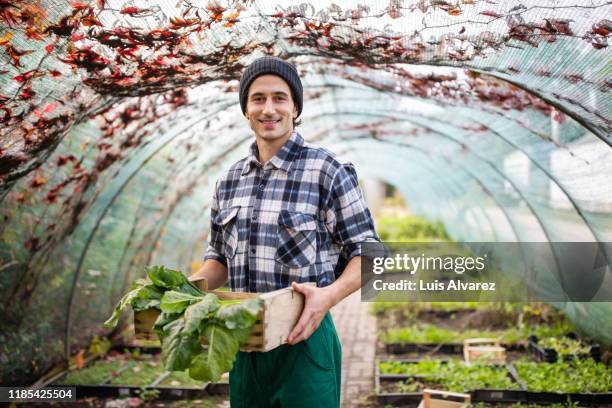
(141, 374)
(98, 372)
(451, 375)
(577, 376)
(428, 334)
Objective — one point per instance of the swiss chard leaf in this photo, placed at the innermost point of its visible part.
(165, 277)
(163, 319)
(126, 300)
(176, 302)
(218, 357)
(178, 349)
(198, 312)
(149, 297)
(241, 315)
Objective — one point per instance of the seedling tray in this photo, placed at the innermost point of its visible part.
(490, 395)
(480, 395)
(550, 355)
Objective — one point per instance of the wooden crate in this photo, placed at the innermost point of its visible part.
(443, 399)
(484, 350)
(280, 312)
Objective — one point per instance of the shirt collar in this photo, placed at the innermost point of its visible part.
(281, 160)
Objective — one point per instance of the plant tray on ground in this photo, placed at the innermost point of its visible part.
(410, 377)
(583, 382)
(567, 347)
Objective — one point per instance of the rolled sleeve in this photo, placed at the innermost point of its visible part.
(347, 218)
(215, 242)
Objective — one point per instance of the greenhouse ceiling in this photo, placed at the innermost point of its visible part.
(118, 117)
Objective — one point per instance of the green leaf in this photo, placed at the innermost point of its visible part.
(126, 300)
(178, 349)
(218, 357)
(241, 315)
(176, 302)
(200, 311)
(163, 319)
(144, 304)
(165, 278)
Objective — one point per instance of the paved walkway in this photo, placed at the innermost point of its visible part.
(357, 331)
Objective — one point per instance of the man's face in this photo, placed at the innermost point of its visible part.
(270, 108)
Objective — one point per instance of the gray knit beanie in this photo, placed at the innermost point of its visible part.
(273, 66)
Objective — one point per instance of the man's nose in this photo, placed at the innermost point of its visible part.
(269, 106)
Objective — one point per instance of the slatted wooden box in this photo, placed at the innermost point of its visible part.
(280, 312)
(443, 399)
(484, 350)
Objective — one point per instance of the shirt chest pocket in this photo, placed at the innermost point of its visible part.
(227, 219)
(297, 239)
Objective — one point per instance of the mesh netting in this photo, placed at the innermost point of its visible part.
(117, 118)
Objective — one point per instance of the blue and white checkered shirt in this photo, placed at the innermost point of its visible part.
(301, 218)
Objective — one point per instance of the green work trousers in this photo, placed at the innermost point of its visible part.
(304, 375)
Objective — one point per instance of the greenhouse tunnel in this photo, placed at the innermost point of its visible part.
(118, 118)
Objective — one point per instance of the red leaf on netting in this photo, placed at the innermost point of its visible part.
(64, 28)
(20, 197)
(90, 20)
(16, 54)
(100, 4)
(491, 13)
(558, 116)
(51, 197)
(78, 6)
(562, 26)
(55, 73)
(574, 78)
(176, 22)
(49, 48)
(27, 93)
(38, 181)
(455, 11)
(132, 10)
(604, 27)
(77, 37)
(32, 244)
(33, 33)
(63, 160)
(11, 17)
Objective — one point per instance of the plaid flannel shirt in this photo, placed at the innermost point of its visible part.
(301, 218)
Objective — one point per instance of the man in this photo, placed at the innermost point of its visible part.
(286, 214)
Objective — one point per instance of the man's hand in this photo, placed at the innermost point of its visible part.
(317, 301)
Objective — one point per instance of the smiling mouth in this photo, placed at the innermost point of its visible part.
(269, 122)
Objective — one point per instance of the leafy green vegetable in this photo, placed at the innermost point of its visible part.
(219, 355)
(178, 348)
(188, 315)
(165, 278)
(126, 300)
(177, 302)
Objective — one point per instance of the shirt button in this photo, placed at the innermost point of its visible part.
(254, 218)
(252, 250)
(261, 186)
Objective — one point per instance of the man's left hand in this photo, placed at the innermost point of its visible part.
(317, 302)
